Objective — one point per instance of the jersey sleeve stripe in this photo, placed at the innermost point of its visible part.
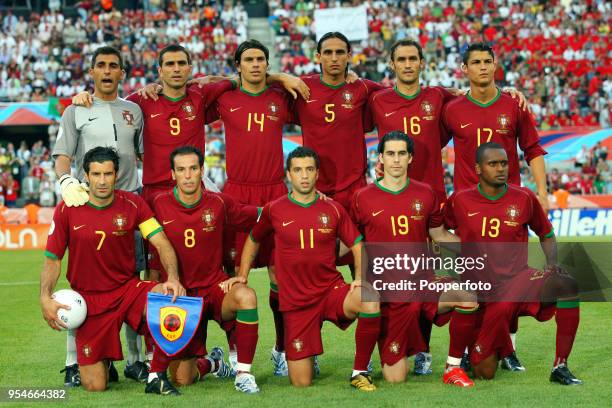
(550, 234)
(358, 240)
(149, 227)
(252, 237)
(51, 255)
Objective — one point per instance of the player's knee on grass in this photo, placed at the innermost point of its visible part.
(94, 377)
(245, 297)
(183, 372)
(397, 372)
(486, 369)
(301, 372)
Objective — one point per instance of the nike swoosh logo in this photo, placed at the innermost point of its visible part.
(464, 126)
(154, 115)
(287, 223)
(473, 214)
(78, 227)
(167, 222)
(374, 214)
(311, 100)
(235, 109)
(389, 114)
(90, 119)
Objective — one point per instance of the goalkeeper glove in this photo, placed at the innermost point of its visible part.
(73, 192)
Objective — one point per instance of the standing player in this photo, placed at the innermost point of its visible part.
(194, 220)
(496, 215)
(332, 120)
(486, 114)
(254, 116)
(397, 208)
(111, 122)
(100, 240)
(310, 288)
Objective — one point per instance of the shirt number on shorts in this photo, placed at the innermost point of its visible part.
(490, 228)
(102, 238)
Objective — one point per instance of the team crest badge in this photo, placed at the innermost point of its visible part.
(87, 350)
(273, 109)
(428, 109)
(394, 347)
(324, 221)
(298, 345)
(189, 110)
(417, 207)
(173, 325)
(477, 348)
(504, 122)
(513, 213)
(208, 218)
(120, 221)
(347, 98)
(128, 117)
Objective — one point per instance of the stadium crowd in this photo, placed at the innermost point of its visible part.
(557, 52)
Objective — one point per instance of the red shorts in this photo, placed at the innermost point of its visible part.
(400, 331)
(303, 326)
(493, 336)
(253, 194)
(213, 300)
(99, 337)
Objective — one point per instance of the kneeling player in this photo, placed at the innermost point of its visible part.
(496, 216)
(100, 240)
(398, 209)
(311, 290)
(194, 220)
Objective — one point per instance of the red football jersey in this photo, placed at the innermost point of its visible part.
(471, 123)
(396, 216)
(502, 221)
(100, 240)
(418, 116)
(196, 233)
(332, 125)
(170, 123)
(305, 247)
(254, 134)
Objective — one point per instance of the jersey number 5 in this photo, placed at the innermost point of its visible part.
(330, 114)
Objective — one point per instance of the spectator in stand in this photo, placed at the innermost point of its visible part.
(11, 191)
(586, 184)
(599, 185)
(30, 187)
(581, 157)
(47, 192)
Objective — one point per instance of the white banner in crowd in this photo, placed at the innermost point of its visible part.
(350, 21)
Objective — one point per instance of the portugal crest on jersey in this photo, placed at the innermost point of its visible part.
(173, 325)
(273, 110)
(417, 207)
(120, 221)
(208, 218)
(513, 213)
(428, 109)
(504, 123)
(128, 117)
(189, 110)
(347, 98)
(324, 222)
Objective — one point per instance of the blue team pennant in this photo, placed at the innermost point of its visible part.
(173, 325)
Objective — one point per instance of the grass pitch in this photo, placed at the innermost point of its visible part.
(32, 355)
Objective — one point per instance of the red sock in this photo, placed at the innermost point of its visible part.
(567, 318)
(149, 343)
(247, 325)
(231, 339)
(160, 361)
(278, 318)
(366, 335)
(204, 366)
(462, 330)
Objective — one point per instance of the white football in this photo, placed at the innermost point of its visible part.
(74, 317)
